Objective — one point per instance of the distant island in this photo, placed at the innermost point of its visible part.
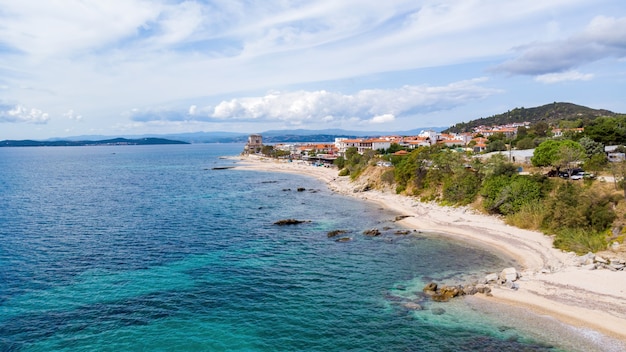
(114, 141)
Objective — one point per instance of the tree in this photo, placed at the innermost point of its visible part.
(539, 129)
(525, 143)
(496, 145)
(545, 153)
(558, 153)
(591, 147)
(569, 155)
(267, 150)
(340, 162)
(394, 147)
(497, 165)
(607, 130)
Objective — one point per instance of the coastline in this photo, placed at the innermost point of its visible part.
(552, 282)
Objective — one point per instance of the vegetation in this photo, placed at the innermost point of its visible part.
(576, 213)
(579, 214)
(549, 114)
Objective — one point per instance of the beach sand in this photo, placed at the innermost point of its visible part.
(553, 282)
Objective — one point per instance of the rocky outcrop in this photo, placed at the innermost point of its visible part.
(444, 293)
(372, 232)
(592, 261)
(290, 222)
(336, 233)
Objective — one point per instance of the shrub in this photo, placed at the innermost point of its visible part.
(506, 195)
(575, 208)
(461, 188)
(529, 216)
(580, 240)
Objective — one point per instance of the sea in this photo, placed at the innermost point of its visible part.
(169, 248)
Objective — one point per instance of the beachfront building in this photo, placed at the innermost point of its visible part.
(254, 144)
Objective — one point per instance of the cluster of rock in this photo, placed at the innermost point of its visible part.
(592, 262)
(506, 278)
(444, 293)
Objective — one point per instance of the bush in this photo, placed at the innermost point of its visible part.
(575, 208)
(580, 240)
(461, 188)
(529, 216)
(344, 172)
(506, 195)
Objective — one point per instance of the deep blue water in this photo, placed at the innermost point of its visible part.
(148, 248)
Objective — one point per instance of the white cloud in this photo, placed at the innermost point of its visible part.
(104, 57)
(604, 37)
(383, 118)
(376, 105)
(21, 114)
(564, 76)
(72, 115)
(297, 108)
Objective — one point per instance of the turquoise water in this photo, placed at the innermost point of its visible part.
(147, 248)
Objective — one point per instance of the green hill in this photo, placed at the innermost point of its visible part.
(551, 114)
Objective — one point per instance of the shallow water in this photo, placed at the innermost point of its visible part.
(149, 248)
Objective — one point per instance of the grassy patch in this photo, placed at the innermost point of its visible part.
(580, 241)
(529, 216)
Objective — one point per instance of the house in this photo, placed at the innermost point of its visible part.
(558, 132)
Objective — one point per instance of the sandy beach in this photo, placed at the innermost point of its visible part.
(552, 282)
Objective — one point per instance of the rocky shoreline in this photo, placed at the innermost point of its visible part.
(585, 291)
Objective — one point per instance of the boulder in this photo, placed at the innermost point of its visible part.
(591, 266)
(335, 233)
(491, 278)
(372, 232)
(484, 289)
(599, 259)
(290, 222)
(470, 290)
(344, 239)
(508, 274)
(430, 287)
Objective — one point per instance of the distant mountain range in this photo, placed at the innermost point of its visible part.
(68, 143)
(271, 136)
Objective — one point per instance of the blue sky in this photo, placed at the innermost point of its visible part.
(132, 67)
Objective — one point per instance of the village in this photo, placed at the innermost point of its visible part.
(475, 142)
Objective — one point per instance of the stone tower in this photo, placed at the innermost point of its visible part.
(254, 145)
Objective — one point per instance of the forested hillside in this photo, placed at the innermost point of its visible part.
(553, 114)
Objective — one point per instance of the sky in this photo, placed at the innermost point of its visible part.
(138, 67)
